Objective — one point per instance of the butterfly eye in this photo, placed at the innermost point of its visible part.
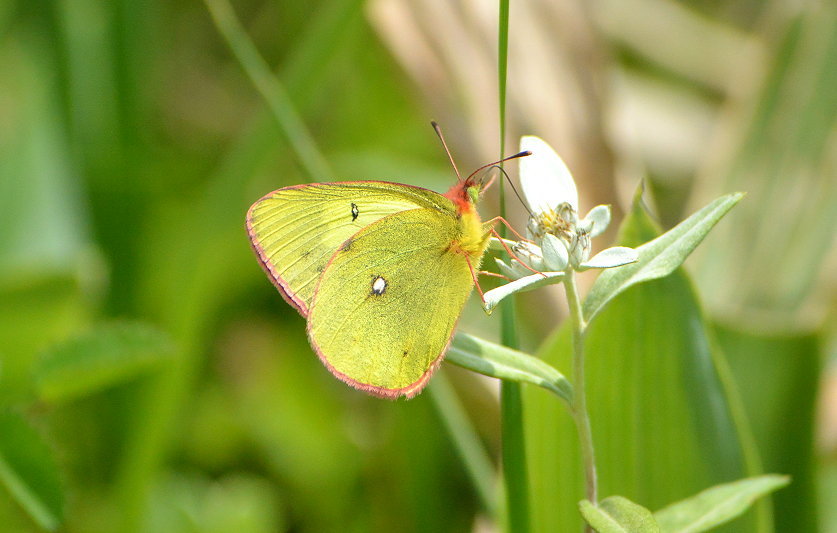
(474, 193)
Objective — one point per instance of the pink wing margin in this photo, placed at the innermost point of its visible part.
(409, 391)
(274, 276)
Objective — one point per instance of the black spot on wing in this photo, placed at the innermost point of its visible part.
(355, 211)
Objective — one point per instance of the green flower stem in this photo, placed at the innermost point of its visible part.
(579, 405)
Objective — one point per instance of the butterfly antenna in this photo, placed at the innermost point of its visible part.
(514, 189)
(445, 145)
(515, 156)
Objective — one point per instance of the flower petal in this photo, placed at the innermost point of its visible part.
(612, 257)
(597, 220)
(555, 254)
(514, 271)
(494, 296)
(497, 244)
(505, 269)
(545, 179)
(529, 254)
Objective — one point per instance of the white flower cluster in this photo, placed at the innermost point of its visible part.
(559, 242)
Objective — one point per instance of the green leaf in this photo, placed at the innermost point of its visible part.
(495, 296)
(662, 424)
(99, 358)
(29, 472)
(658, 258)
(616, 514)
(778, 376)
(497, 361)
(717, 505)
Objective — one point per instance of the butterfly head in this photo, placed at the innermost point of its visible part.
(464, 194)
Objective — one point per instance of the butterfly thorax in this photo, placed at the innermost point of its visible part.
(473, 239)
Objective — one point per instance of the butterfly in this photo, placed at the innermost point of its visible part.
(381, 272)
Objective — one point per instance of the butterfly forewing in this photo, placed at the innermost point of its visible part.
(296, 230)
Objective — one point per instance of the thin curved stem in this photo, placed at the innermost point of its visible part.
(579, 407)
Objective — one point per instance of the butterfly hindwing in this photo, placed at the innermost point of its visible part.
(387, 303)
(296, 230)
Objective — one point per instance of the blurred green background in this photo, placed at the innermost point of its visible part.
(151, 379)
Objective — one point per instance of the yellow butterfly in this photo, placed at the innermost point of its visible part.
(380, 270)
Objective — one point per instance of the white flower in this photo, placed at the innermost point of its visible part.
(560, 241)
(552, 196)
(544, 178)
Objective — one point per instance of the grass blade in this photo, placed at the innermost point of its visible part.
(464, 437)
(511, 404)
(29, 472)
(271, 89)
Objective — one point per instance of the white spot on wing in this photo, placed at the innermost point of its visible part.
(379, 285)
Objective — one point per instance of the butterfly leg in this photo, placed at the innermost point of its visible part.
(474, 277)
(508, 225)
(493, 274)
(513, 255)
